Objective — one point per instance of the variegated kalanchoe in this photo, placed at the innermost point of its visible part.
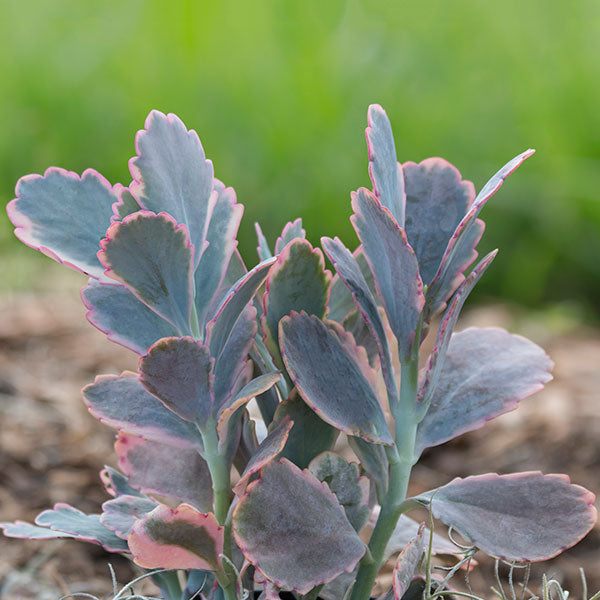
(244, 500)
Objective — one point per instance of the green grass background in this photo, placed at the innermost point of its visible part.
(278, 92)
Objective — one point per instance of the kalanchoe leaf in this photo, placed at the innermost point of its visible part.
(344, 480)
(119, 514)
(126, 204)
(384, 169)
(64, 216)
(290, 232)
(178, 371)
(181, 538)
(248, 443)
(436, 359)
(333, 382)
(298, 539)
(115, 311)
(116, 484)
(408, 562)
(23, 530)
(522, 516)
(394, 265)
(122, 402)
(263, 250)
(156, 468)
(269, 448)
(486, 373)
(309, 436)
(152, 256)
(171, 174)
(355, 324)
(374, 461)
(436, 201)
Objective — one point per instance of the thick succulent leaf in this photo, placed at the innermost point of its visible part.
(156, 468)
(522, 516)
(290, 526)
(408, 562)
(394, 266)
(116, 484)
(263, 250)
(87, 528)
(329, 378)
(180, 538)
(122, 402)
(436, 359)
(436, 201)
(269, 448)
(119, 514)
(297, 281)
(374, 461)
(384, 169)
(152, 256)
(486, 373)
(309, 436)
(344, 480)
(248, 443)
(213, 264)
(115, 311)
(171, 174)
(64, 216)
(355, 324)
(178, 371)
(291, 231)
(23, 530)
(126, 204)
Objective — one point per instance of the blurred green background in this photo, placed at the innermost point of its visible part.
(278, 92)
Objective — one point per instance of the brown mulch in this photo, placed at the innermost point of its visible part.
(51, 449)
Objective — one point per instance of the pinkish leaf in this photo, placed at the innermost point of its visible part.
(120, 513)
(116, 484)
(408, 562)
(290, 232)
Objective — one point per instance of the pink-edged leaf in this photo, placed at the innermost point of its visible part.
(116, 484)
(436, 359)
(156, 468)
(486, 373)
(291, 231)
(252, 389)
(122, 402)
(374, 461)
(344, 480)
(263, 250)
(171, 174)
(115, 311)
(408, 562)
(64, 216)
(151, 254)
(269, 448)
(119, 514)
(384, 169)
(180, 538)
(297, 281)
(394, 266)
(221, 234)
(330, 379)
(178, 371)
(349, 271)
(436, 200)
(290, 526)
(125, 205)
(459, 253)
(248, 443)
(23, 530)
(355, 324)
(524, 517)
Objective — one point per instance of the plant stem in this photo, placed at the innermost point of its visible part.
(168, 582)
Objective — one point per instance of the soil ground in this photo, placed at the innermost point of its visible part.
(51, 449)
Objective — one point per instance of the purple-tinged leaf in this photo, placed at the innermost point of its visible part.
(248, 443)
(355, 324)
(524, 517)
(87, 528)
(125, 320)
(178, 371)
(119, 514)
(486, 373)
(384, 169)
(181, 538)
(394, 266)
(408, 562)
(436, 201)
(64, 216)
(152, 256)
(330, 379)
(263, 250)
(222, 231)
(290, 526)
(156, 468)
(344, 480)
(349, 271)
(122, 402)
(171, 174)
(269, 448)
(126, 204)
(291, 231)
(374, 461)
(116, 484)
(309, 436)
(23, 530)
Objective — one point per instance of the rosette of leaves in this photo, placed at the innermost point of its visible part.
(323, 356)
